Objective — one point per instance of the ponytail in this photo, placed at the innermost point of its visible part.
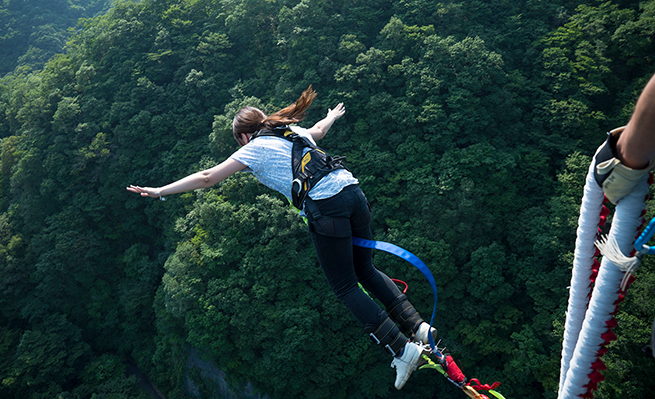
(251, 119)
(294, 113)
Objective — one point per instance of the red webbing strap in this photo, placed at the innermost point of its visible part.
(485, 387)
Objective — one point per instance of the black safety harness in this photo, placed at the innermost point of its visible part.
(308, 169)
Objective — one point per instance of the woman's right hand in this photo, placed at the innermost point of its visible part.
(337, 112)
(144, 191)
(321, 127)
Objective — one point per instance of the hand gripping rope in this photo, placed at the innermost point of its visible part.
(597, 288)
(446, 365)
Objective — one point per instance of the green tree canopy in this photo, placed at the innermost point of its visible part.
(470, 127)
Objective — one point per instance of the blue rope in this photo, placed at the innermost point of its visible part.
(414, 260)
(640, 243)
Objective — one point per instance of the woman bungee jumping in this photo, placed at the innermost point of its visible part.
(284, 157)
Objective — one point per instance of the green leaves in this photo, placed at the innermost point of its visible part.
(34, 32)
(247, 285)
(469, 128)
(50, 354)
(487, 268)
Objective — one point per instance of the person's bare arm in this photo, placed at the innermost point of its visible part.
(202, 179)
(636, 145)
(321, 127)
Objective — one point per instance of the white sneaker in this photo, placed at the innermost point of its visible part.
(421, 334)
(407, 363)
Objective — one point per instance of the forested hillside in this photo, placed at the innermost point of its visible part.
(31, 32)
(470, 125)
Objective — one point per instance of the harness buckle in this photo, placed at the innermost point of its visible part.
(374, 338)
(390, 350)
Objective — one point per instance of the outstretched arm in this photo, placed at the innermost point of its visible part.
(203, 179)
(321, 127)
(636, 146)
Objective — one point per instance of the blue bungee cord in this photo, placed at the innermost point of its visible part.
(409, 257)
(414, 260)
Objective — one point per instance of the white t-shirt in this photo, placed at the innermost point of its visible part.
(269, 159)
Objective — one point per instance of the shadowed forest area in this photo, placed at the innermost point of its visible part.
(470, 125)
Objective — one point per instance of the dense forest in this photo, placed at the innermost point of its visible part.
(31, 32)
(470, 125)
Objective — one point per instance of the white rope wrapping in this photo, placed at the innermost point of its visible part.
(592, 203)
(626, 221)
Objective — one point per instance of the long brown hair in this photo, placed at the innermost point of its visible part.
(251, 119)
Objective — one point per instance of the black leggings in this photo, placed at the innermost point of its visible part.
(332, 224)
